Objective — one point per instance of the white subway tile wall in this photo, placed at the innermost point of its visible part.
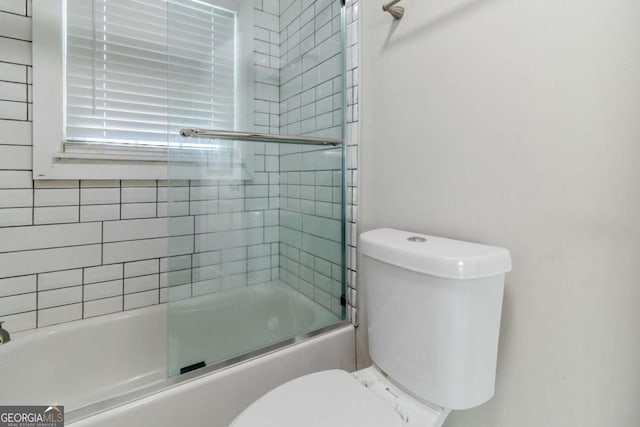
(266, 107)
(311, 74)
(311, 103)
(77, 249)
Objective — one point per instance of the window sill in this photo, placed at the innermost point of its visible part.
(107, 167)
(94, 166)
(105, 157)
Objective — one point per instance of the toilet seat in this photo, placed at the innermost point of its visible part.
(336, 398)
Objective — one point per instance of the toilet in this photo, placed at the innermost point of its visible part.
(434, 308)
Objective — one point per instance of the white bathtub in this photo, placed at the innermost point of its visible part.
(86, 365)
(241, 320)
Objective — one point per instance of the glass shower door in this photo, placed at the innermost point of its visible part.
(256, 218)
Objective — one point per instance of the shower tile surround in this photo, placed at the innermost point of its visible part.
(311, 103)
(77, 249)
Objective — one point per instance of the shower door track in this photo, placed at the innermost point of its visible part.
(260, 137)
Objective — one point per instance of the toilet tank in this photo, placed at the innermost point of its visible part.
(433, 309)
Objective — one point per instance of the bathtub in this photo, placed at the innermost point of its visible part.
(117, 371)
(244, 319)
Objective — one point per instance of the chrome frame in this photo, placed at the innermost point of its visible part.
(259, 137)
(114, 402)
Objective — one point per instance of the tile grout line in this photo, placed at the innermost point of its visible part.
(79, 200)
(37, 295)
(157, 194)
(101, 242)
(26, 75)
(82, 298)
(123, 279)
(120, 195)
(33, 202)
(159, 289)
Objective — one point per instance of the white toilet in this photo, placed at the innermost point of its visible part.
(434, 308)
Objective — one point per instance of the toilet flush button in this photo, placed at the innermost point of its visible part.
(417, 239)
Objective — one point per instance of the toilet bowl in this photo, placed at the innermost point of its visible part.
(434, 308)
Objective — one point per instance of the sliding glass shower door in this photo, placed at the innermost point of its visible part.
(256, 178)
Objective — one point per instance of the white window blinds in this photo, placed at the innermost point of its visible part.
(137, 70)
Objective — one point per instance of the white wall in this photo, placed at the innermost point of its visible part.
(515, 123)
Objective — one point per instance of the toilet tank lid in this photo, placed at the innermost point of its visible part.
(436, 256)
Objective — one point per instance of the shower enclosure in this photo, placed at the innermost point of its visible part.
(256, 177)
(251, 96)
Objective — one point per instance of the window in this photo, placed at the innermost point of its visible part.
(130, 74)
